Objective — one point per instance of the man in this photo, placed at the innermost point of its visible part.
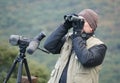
(81, 53)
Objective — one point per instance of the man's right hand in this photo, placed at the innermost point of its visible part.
(67, 24)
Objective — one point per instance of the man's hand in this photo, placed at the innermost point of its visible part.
(69, 21)
(67, 24)
(78, 25)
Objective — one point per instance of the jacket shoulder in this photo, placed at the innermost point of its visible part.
(92, 41)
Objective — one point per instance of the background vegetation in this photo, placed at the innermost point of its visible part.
(30, 17)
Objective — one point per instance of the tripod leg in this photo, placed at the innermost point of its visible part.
(19, 76)
(11, 70)
(27, 70)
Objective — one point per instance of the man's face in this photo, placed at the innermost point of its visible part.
(87, 28)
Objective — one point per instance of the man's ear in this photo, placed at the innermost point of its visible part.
(91, 30)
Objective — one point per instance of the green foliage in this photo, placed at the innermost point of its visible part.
(38, 70)
(7, 55)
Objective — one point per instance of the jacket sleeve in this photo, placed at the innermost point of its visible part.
(56, 40)
(89, 57)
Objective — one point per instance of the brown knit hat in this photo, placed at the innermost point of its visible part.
(90, 16)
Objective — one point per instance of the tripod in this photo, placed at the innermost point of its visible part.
(21, 59)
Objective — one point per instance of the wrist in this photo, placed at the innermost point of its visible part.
(66, 26)
(76, 35)
(77, 38)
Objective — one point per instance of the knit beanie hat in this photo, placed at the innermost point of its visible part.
(90, 16)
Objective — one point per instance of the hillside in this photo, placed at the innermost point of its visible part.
(30, 17)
